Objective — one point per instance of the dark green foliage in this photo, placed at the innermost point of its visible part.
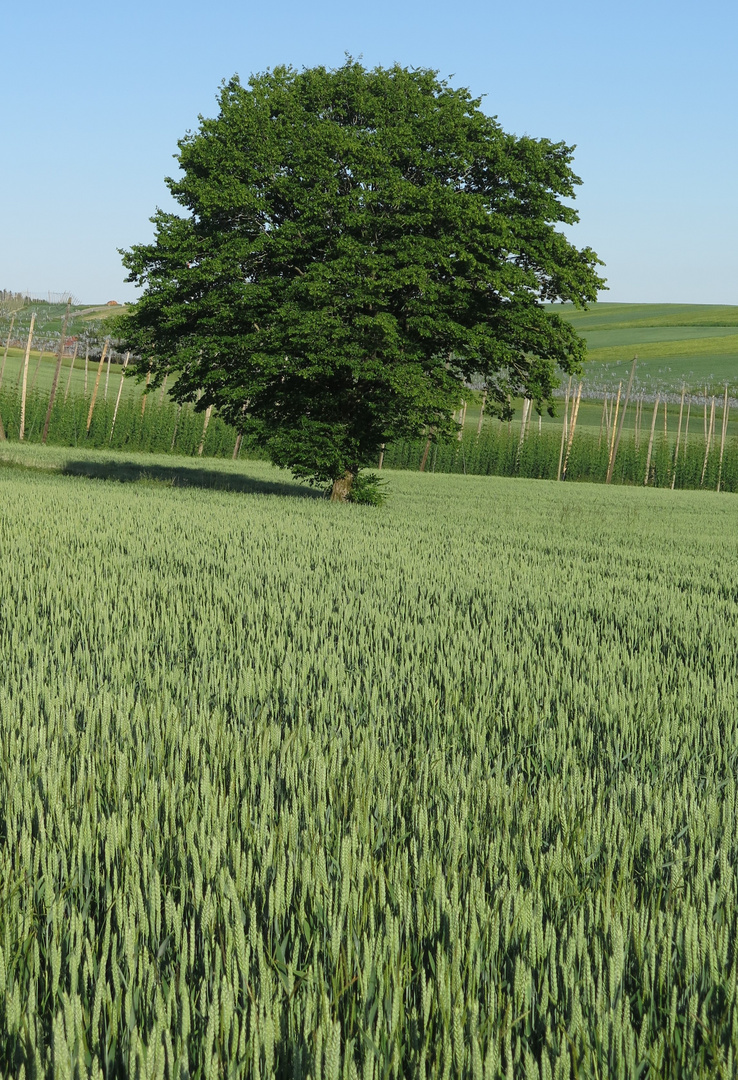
(355, 245)
(368, 489)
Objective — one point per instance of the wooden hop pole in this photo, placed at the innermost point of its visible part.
(97, 383)
(608, 420)
(424, 455)
(239, 437)
(574, 414)
(71, 369)
(708, 440)
(107, 375)
(25, 379)
(602, 421)
(635, 422)
(38, 365)
(523, 418)
(176, 425)
(616, 442)
(481, 414)
(638, 416)
(462, 420)
(7, 346)
(19, 377)
(650, 441)
(611, 439)
(87, 360)
(686, 427)
(208, 413)
(563, 430)
(679, 435)
(723, 433)
(143, 400)
(117, 400)
(57, 370)
(530, 413)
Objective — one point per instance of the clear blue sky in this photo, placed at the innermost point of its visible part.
(96, 96)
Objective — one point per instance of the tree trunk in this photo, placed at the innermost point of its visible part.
(342, 487)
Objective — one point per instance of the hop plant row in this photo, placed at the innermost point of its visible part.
(164, 427)
(161, 427)
(498, 452)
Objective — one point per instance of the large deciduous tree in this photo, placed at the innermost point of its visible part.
(356, 247)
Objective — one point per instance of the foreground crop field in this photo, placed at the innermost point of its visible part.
(446, 788)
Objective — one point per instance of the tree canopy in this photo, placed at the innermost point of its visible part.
(356, 247)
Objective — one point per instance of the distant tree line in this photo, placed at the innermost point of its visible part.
(15, 300)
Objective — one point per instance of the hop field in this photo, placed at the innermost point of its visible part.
(295, 789)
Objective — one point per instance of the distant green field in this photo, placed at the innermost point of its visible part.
(692, 343)
(607, 316)
(696, 344)
(697, 337)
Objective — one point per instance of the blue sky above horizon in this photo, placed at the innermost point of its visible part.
(96, 98)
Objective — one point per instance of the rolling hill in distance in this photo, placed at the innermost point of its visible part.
(695, 344)
(692, 343)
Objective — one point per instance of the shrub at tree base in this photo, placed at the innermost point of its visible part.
(368, 489)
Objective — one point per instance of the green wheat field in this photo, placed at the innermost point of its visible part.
(291, 789)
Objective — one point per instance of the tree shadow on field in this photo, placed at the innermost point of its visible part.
(185, 476)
